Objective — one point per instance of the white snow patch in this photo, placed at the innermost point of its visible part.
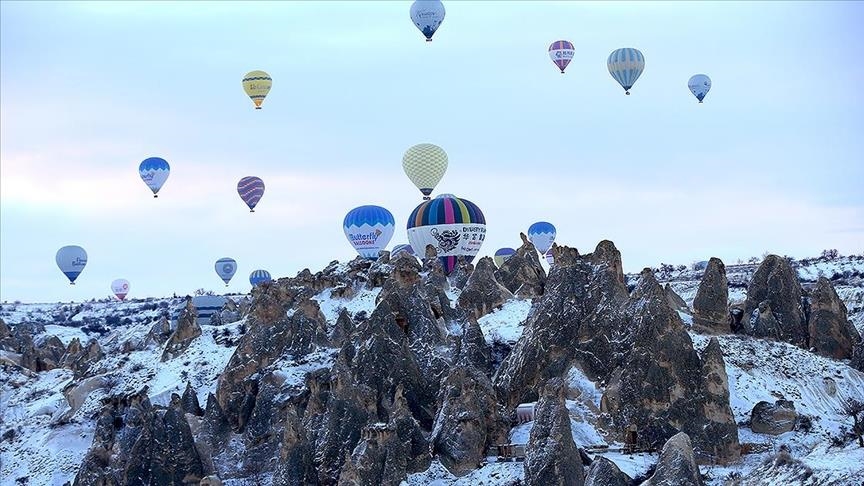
(332, 306)
(506, 323)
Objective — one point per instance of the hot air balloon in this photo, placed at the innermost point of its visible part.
(402, 248)
(455, 227)
(541, 234)
(120, 287)
(550, 258)
(250, 189)
(502, 255)
(369, 229)
(561, 52)
(225, 268)
(259, 276)
(699, 85)
(427, 15)
(71, 260)
(425, 164)
(257, 84)
(154, 172)
(626, 65)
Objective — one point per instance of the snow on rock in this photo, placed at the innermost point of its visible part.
(330, 306)
(489, 474)
(507, 323)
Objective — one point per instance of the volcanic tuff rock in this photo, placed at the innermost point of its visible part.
(662, 388)
(551, 456)
(831, 333)
(522, 273)
(187, 330)
(710, 307)
(581, 317)
(189, 401)
(264, 344)
(773, 419)
(469, 419)
(604, 472)
(82, 361)
(483, 293)
(677, 465)
(773, 304)
(674, 300)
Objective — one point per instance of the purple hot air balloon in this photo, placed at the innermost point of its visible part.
(250, 189)
(561, 52)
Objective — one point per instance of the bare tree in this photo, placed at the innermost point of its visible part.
(855, 409)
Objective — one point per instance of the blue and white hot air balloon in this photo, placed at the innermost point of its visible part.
(369, 229)
(154, 172)
(542, 235)
(404, 247)
(502, 255)
(71, 259)
(626, 65)
(427, 15)
(226, 268)
(259, 276)
(699, 85)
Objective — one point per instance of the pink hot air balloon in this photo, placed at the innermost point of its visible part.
(561, 52)
(250, 189)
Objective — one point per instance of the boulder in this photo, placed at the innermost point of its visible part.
(774, 296)
(604, 472)
(676, 465)
(831, 333)
(773, 419)
(710, 307)
(551, 456)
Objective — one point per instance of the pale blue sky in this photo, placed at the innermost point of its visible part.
(772, 161)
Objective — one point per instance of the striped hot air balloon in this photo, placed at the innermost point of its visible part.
(425, 164)
(369, 229)
(626, 65)
(406, 248)
(455, 227)
(259, 276)
(257, 84)
(561, 52)
(250, 189)
(550, 257)
(542, 235)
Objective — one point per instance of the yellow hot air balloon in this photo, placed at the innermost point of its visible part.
(425, 164)
(257, 84)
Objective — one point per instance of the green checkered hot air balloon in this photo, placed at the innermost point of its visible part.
(425, 164)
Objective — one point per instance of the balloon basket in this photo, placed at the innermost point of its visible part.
(155, 195)
(627, 93)
(428, 40)
(251, 210)
(257, 107)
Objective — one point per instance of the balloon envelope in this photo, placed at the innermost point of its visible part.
(154, 172)
(71, 259)
(226, 268)
(425, 164)
(454, 226)
(258, 276)
(257, 84)
(542, 235)
(699, 85)
(369, 229)
(626, 65)
(561, 52)
(120, 287)
(251, 189)
(502, 255)
(402, 248)
(427, 15)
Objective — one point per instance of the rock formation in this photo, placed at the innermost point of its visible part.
(551, 457)
(773, 419)
(483, 293)
(831, 333)
(677, 465)
(710, 307)
(773, 308)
